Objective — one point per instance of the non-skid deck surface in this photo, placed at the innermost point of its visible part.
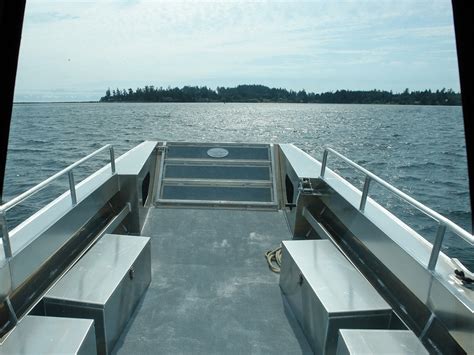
(211, 290)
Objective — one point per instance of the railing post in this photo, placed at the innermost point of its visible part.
(112, 159)
(437, 246)
(324, 162)
(72, 187)
(365, 193)
(7, 248)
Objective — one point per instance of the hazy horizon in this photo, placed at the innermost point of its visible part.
(98, 99)
(74, 51)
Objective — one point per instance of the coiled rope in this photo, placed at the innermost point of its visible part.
(274, 259)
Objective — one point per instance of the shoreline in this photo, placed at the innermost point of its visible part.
(227, 102)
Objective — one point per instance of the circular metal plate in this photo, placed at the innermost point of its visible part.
(218, 152)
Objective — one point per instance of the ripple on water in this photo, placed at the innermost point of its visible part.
(420, 149)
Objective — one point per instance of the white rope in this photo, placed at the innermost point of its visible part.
(274, 259)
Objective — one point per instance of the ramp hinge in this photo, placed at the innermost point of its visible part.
(305, 187)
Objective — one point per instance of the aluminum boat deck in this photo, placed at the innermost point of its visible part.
(211, 290)
(162, 251)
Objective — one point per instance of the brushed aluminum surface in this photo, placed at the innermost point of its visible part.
(469, 238)
(95, 277)
(404, 252)
(132, 162)
(400, 248)
(13, 202)
(133, 168)
(439, 291)
(105, 285)
(36, 335)
(378, 342)
(338, 285)
(57, 232)
(326, 293)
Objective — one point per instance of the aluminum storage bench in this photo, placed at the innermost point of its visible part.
(106, 285)
(326, 293)
(45, 335)
(378, 341)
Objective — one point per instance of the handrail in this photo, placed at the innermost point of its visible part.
(72, 188)
(443, 222)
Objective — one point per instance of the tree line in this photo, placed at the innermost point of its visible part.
(261, 93)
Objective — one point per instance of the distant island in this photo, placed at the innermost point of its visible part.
(261, 93)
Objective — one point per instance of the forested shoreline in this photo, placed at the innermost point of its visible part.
(261, 93)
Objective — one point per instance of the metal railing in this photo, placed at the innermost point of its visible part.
(443, 222)
(72, 189)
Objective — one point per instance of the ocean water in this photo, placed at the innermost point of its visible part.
(419, 149)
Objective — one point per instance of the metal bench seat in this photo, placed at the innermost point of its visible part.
(45, 335)
(326, 293)
(378, 342)
(106, 285)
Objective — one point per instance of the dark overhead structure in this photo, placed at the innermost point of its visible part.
(11, 23)
(463, 20)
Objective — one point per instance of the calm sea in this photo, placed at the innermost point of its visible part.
(419, 149)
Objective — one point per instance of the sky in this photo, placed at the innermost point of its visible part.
(75, 50)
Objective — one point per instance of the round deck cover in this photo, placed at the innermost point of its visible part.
(218, 152)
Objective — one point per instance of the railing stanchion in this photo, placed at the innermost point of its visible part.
(7, 248)
(323, 163)
(437, 246)
(448, 224)
(112, 159)
(72, 187)
(365, 193)
(15, 201)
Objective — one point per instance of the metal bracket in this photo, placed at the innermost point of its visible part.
(305, 187)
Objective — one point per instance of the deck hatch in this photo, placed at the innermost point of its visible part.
(214, 193)
(201, 152)
(189, 175)
(182, 171)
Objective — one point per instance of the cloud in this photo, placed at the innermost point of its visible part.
(86, 45)
(48, 17)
